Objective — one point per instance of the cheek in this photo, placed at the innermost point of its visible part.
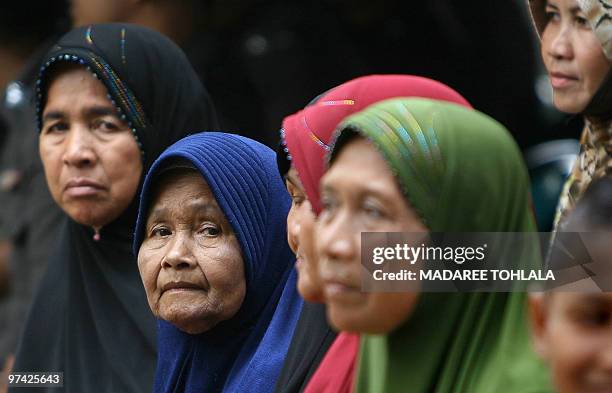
(548, 36)
(309, 282)
(51, 159)
(596, 67)
(123, 169)
(292, 238)
(572, 354)
(224, 271)
(307, 238)
(149, 268)
(319, 238)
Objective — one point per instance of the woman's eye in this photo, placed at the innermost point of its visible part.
(552, 16)
(161, 232)
(582, 22)
(56, 128)
(372, 210)
(594, 318)
(211, 231)
(297, 199)
(601, 318)
(104, 125)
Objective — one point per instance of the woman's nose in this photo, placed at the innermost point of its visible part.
(336, 239)
(80, 148)
(180, 253)
(561, 45)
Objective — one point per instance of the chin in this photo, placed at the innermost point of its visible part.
(357, 326)
(89, 220)
(363, 321)
(189, 324)
(355, 322)
(90, 216)
(568, 105)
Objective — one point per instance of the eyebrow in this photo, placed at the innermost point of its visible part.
(101, 111)
(94, 111)
(366, 189)
(53, 115)
(596, 299)
(574, 10)
(203, 206)
(158, 212)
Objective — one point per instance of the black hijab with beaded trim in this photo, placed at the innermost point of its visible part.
(90, 318)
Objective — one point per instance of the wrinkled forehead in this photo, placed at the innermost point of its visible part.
(60, 72)
(66, 79)
(182, 193)
(176, 171)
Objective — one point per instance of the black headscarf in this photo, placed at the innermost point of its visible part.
(90, 318)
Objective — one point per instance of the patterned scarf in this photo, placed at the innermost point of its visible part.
(596, 141)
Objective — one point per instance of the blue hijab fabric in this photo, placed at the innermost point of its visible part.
(245, 353)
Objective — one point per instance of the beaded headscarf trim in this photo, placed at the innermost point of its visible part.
(129, 108)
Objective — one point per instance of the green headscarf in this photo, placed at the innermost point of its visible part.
(461, 171)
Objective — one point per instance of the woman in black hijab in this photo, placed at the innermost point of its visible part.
(90, 318)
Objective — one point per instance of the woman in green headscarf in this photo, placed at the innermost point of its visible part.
(411, 165)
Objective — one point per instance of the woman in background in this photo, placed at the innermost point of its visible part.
(111, 98)
(576, 38)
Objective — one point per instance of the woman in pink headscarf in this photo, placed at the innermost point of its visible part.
(305, 139)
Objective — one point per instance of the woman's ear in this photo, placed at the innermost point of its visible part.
(538, 317)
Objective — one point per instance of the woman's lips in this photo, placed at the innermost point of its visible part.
(559, 80)
(180, 286)
(337, 289)
(82, 188)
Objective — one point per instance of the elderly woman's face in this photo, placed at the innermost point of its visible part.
(573, 56)
(359, 194)
(300, 234)
(91, 160)
(190, 260)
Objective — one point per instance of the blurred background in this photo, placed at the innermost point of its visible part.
(264, 59)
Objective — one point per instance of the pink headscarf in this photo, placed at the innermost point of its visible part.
(307, 133)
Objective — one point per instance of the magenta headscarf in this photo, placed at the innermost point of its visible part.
(306, 134)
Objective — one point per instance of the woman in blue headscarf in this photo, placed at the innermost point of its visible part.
(216, 268)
